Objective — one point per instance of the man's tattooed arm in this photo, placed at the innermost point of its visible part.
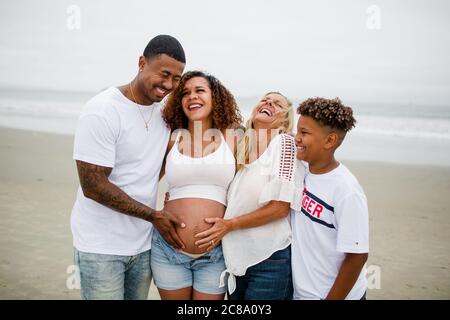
(96, 186)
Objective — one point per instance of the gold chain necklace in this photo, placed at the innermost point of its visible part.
(140, 111)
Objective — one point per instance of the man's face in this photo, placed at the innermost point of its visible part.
(159, 76)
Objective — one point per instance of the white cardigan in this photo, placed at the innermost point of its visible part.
(275, 175)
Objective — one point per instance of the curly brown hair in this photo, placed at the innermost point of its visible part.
(328, 112)
(225, 112)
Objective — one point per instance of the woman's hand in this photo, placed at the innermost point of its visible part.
(212, 237)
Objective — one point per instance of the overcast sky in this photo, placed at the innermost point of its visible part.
(301, 48)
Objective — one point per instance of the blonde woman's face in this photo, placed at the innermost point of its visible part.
(270, 110)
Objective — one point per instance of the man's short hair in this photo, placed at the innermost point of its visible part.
(165, 44)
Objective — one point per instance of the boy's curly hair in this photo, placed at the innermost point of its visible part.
(328, 112)
(225, 112)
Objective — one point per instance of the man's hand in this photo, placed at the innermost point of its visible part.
(165, 223)
(166, 198)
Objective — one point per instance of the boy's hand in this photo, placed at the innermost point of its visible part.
(348, 274)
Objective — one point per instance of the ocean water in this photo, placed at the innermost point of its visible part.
(408, 133)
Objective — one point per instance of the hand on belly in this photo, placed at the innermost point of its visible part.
(193, 213)
(187, 235)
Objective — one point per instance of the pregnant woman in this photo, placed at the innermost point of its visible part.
(200, 165)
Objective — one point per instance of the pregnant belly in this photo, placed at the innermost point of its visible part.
(193, 211)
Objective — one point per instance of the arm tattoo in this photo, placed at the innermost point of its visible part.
(96, 186)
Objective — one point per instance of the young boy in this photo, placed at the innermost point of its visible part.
(330, 241)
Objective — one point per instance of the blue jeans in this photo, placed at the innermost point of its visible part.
(173, 270)
(270, 279)
(112, 277)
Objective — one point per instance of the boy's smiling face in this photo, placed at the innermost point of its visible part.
(310, 139)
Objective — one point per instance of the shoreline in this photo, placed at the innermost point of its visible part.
(409, 241)
(381, 149)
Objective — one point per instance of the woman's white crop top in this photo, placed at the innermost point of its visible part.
(207, 177)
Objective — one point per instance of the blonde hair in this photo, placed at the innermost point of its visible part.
(247, 144)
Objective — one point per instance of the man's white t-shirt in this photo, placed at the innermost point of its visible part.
(333, 220)
(111, 133)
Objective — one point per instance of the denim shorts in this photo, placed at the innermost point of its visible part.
(173, 270)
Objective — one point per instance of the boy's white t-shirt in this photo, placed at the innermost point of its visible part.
(333, 220)
(111, 133)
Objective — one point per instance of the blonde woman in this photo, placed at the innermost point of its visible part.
(255, 230)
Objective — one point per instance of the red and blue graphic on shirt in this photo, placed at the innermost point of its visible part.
(316, 209)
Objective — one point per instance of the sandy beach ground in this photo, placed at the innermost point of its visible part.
(409, 222)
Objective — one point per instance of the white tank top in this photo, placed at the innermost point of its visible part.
(207, 177)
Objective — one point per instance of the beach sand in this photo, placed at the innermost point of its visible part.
(408, 205)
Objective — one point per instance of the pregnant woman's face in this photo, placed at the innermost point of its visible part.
(197, 99)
